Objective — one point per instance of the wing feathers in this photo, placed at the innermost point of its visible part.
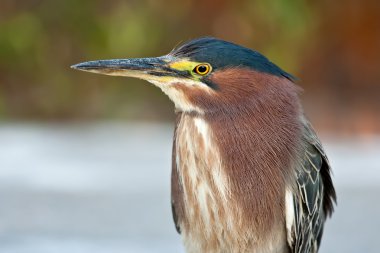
(313, 199)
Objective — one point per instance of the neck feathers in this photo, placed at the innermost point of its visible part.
(258, 140)
(242, 155)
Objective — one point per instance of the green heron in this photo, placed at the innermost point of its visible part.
(249, 173)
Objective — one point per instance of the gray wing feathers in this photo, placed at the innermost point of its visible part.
(314, 196)
(176, 189)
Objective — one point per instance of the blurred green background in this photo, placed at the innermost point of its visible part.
(332, 47)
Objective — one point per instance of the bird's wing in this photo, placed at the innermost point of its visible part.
(176, 189)
(313, 199)
(174, 197)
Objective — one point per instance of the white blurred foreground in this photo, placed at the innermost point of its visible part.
(106, 188)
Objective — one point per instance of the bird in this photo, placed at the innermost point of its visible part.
(249, 173)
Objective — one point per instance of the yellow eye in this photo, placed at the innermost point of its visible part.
(202, 69)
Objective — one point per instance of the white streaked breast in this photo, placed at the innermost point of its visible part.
(289, 215)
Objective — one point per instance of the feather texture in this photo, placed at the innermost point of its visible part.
(313, 198)
(265, 147)
(249, 173)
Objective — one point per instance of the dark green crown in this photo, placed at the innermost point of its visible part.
(221, 54)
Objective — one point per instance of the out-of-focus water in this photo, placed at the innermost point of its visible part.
(106, 188)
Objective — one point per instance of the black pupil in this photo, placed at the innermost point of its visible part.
(202, 69)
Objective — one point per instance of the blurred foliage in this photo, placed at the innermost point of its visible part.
(40, 39)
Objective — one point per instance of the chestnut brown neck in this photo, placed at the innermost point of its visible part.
(257, 131)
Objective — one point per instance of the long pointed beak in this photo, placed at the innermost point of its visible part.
(144, 68)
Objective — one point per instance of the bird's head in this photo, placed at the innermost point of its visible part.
(202, 75)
